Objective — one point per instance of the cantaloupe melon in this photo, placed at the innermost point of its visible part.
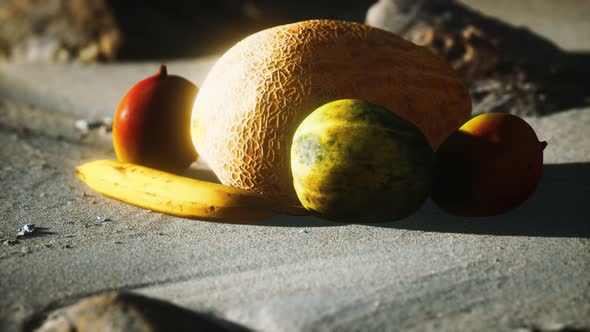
(259, 91)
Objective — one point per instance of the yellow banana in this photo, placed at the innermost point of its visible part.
(177, 195)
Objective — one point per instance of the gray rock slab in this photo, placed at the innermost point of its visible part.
(429, 272)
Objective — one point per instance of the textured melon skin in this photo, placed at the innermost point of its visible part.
(357, 161)
(258, 92)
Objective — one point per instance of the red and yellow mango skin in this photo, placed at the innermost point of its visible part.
(151, 126)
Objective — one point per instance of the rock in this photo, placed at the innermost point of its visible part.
(104, 30)
(536, 76)
(451, 19)
(57, 31)
(128, 312)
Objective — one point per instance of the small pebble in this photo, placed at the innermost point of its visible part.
(26, 230)
(86, 125)
(103, 219)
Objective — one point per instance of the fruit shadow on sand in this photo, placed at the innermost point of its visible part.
(559, 208)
